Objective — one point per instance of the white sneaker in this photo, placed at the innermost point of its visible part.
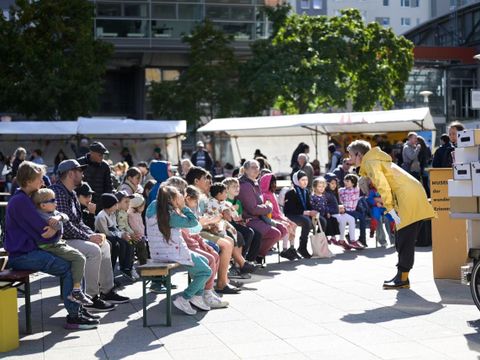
(213, 301)
(135, 274)
(184, 305)
(199, 303)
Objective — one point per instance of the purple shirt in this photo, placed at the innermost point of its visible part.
(23, 225)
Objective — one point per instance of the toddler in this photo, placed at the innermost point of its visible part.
(45, 202)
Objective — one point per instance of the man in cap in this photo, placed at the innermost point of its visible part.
(95, 248)
(202, 158)
(97, 172)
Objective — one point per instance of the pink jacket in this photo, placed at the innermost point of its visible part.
(135, 221)
(269, 196)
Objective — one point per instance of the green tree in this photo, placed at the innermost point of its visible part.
(316, 63)
(208, 88)
(51, 66)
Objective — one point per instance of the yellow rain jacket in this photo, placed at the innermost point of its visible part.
(398, 189)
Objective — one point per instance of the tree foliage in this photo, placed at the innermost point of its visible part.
(319, 63)
(208, 88)
(51, 67)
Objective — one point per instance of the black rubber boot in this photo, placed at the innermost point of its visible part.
(400, 281)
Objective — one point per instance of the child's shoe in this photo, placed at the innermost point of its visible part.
(344, 244)
(184, 305)
(198, 301)
(79, 297)
(356, 245)
(215, 302)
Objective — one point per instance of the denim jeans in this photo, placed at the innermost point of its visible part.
(199, 273)
(40, 260)
(363, 223)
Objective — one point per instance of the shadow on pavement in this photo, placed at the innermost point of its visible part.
(409, 304)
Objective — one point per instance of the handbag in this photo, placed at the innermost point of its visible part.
(319, 242)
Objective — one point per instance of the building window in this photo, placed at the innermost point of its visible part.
(317, 4)
(385, 21)
(385, 3)
(305, 4)
(415, 3)
(405, 3)
(405, 21)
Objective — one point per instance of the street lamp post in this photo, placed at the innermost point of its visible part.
(425, 95)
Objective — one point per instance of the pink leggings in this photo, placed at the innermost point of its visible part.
(213, 262)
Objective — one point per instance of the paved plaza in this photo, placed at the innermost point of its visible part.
(308, 309)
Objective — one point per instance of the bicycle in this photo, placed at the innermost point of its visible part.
(471, 275)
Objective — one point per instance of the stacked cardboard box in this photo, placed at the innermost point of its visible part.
(464, 188)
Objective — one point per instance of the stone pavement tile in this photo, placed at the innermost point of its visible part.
(202, 354)
(63, 339)
(186, 329)
(263, 348)
(402, 350)
(291, 356)
(297, 330)
(375, 315)
(220, 315)
(134, 347)
(13, 356)
(341, 354)
(320, 343)
(453, 345)
(240, 332)
(179, 341)
(361, 334)
(320, 313)
(428, 331)
(76, 353)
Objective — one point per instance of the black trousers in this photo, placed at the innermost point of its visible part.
(251, 238)
(123, 251)
(405, 245)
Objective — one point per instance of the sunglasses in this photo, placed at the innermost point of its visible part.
(51, 201)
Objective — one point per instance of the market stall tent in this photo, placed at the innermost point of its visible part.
(141, 137)
(279, 135)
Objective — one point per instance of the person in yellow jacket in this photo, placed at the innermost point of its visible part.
(403, 197)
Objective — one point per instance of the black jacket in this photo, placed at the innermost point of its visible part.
(443, 156)
(293, 205)
(98, 177)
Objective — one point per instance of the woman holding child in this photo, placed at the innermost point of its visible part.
(25, 228)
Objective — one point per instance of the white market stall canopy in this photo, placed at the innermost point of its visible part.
(100, 127)
(58, 128)
(130, 128)
(305, 124)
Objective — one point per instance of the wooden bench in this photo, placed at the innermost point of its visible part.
(17, 278)
(157, 272)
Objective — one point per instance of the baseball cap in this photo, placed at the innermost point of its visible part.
(67, 165)
(121, 194)
(137, 201)
(98, 147)
(200, 144)
(84, 189)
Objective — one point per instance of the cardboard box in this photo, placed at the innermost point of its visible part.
(460, 188)
(464, 205)
(466, 155)
(473, 234)
(462, 172)
(476, 178)
(469, 137)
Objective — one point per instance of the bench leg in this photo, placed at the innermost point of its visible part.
(169, 299)
(28, 307)
(144, 300)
